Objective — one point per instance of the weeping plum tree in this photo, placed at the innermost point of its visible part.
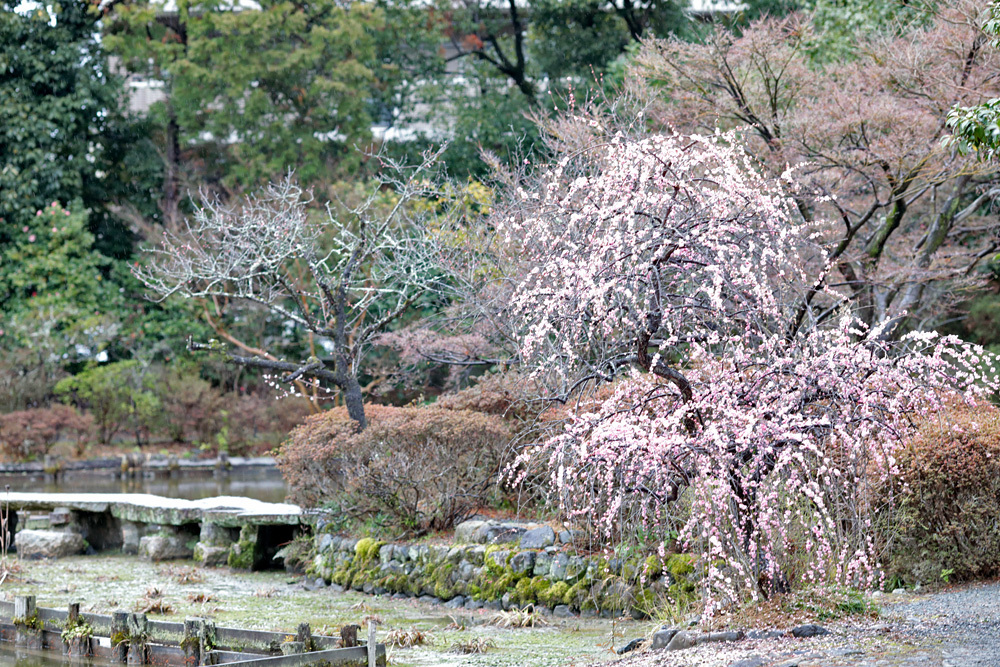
(670, 267)
(344, 281)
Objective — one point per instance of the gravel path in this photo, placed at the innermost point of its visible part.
(959, 627)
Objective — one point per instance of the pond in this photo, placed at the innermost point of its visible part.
(11, 657)
(259, 483)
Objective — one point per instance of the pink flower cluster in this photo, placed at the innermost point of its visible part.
(672, 269)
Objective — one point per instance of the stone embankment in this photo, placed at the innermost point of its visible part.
(504, 565)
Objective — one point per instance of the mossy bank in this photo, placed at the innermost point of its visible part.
(507, 575)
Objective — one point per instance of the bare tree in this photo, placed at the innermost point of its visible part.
(906, 218)
(343, 279)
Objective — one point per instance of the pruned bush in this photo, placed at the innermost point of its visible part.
(259, 422)
(949, 500)
(192, 407)
(424, 468)
(29, 434)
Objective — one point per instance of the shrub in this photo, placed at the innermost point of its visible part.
(117, 395)
(192, 407)
(259, 422)
(29, 434)
(424, 468)
(949, 498)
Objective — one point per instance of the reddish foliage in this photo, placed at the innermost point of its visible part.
(950, 498)
(425, 468)
(29, 434)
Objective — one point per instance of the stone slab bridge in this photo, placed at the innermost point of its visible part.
(240, 532)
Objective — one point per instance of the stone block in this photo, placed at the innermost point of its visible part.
(37, 544)
(523, 562)
(466, 531)
(164, 547)
(557, 572)
(538, 538)
(210, 555)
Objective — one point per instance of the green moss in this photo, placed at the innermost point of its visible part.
(575, 595)
(653, 567)
(680, 565)
(553, 595)
(523, 593)
(241, 556)
(366, 549)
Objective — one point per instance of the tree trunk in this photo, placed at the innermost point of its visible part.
(355, 402)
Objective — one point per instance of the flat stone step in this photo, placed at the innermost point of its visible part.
(229, 511)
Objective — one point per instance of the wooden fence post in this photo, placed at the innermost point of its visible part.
(119, 636)
(27, 627)
(138, 633)
(206, 640)
(191, 645)
(372, 645)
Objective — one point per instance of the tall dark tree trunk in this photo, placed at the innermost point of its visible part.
(171, 177)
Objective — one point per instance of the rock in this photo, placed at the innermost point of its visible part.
(899, 591)
(493, 605)
(498, 533)
(631, 646)
(325, 543)
(499, 558)
(473, 605)
(130, 538)
(337, 588)
(209, 555)
(37, 544)
(563, 611)
(385, 553)
(466, 571)
(456, 602)
(557, 572)
(400, 596)
(711, 637)
(368, 588)
(752, 661)
(765, 634)
(846, 652)
(682, 640)
(809, 630)
(538, 538)
(163, 547)
(523, 562)
(543, 564)
(662, 638)
(506, 602)
(466, 531)
(429, 599)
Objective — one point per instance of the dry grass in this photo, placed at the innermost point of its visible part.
(372, 618)
(182, 575)
(518, 618)
(408, 638)
(200, 598)
(265, 592)
(816, 603)
(152, 602)
(476, 645)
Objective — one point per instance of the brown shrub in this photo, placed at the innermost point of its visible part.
(259, 422)
(192, 407)
(949, 500)
(29, 434)
(424, 468)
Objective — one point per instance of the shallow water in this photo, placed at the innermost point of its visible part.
(11, 657)
(263, 483)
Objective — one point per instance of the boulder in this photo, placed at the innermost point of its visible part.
(558, 570)
(465, 532)
(663, 637)
(210, 555)
(163, 547)
(681, 641)
(37, 544)
(455, 603)
(523, 562)
(563, 611)
(538, 538)
(809, 630)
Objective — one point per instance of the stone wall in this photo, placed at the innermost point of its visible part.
(504, 566)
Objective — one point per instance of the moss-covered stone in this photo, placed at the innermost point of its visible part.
(653, 567)
(554, 594)
(679, 565)
(367, 549)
